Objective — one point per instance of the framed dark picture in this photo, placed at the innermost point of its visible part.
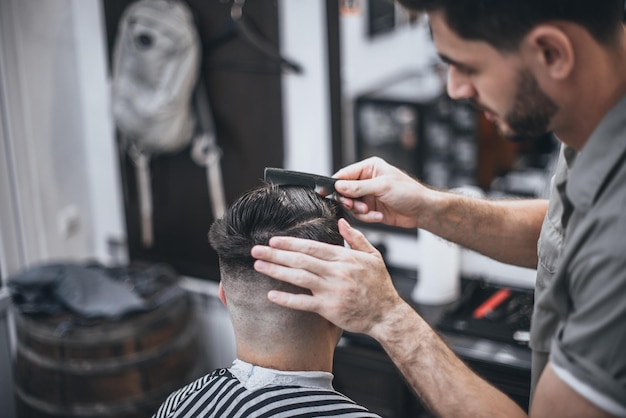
(381, 17)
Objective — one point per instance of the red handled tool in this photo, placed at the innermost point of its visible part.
(492, 303)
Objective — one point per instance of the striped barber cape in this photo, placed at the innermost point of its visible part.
(222, 395)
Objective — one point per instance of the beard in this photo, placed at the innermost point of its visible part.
(531, 113)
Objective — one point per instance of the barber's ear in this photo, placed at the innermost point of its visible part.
(552, 50)
(221, 295)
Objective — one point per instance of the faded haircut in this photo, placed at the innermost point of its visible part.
(504, 23)
(255, 217)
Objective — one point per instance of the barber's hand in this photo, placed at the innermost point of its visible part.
(385, 193)
(350, 287)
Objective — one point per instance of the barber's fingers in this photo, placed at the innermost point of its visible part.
(361, 210)
(301, 262)
(294, 301)
(355, 238)
(297, 252)
(283, 266)
(364, 169)
(307, 254)
(309, 264)
(363, 178)
(356, 206)
(369, 217)
(362, 188)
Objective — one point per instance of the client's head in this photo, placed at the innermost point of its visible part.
(263, 329)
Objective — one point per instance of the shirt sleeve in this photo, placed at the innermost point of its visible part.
(589, 349)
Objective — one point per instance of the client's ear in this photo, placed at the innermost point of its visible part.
(221, 294)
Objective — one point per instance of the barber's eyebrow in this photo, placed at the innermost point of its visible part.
(448, 60)
(457, 64)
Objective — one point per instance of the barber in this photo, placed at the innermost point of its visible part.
(533, 66)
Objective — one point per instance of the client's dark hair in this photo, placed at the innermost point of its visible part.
(272, 210)
(503, 23)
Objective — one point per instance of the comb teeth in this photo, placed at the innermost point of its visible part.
(280, 176)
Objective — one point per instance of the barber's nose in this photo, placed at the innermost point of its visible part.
(459, 84)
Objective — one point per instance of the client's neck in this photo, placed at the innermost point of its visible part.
(284, 355)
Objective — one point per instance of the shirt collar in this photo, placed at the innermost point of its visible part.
(604, 149)
(255, 377)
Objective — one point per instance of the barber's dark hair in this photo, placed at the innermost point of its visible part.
(271, 210)
(503, 23)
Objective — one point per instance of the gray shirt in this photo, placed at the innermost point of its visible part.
(580, 297)
(545, 318)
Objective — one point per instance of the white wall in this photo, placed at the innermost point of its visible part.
(306, 96)
(59, 138)
(98, 130)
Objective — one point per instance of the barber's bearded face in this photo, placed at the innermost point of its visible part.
(531, 112)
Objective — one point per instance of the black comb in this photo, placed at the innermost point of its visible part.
(280, 176)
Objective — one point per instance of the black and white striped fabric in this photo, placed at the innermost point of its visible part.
(222, 395)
